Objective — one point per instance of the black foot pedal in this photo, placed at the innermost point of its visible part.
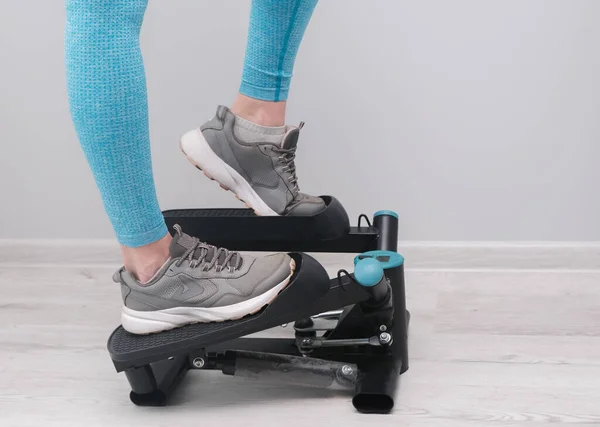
(248, 232)
(309, 284)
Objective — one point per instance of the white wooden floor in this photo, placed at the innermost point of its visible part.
(489, 347)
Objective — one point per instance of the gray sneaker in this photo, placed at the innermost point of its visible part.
(263, 175)
(201, 283)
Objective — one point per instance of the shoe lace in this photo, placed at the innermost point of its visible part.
(287, 157)
(197, 255)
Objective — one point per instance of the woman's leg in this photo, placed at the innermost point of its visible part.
(166, 283)
(248, 149)
(107, 93)
(275, 33)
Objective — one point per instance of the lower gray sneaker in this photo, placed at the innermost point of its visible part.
(201, 283)
(262, 175)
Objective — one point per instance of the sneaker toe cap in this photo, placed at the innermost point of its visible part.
(269, 271)
(306, 206)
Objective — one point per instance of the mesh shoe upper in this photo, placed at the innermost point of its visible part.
(269, 168)
(200, 275)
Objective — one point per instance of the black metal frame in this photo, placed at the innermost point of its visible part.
(366, 349)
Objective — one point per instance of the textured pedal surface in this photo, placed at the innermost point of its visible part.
(211, 213)
(124, 342)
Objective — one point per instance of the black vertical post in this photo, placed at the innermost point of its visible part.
(152, 385)
(400, 326)
(142, 379)
(387, 224)
(378, 377)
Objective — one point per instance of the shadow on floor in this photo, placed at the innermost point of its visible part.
(213, 389)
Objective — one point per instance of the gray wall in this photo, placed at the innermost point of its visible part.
(476, 120)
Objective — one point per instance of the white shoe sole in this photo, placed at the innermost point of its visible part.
(149, 322)
(194, 146)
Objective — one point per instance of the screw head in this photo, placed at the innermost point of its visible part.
(198, 362)
(385, 338)
(383, 328)
(347, 370)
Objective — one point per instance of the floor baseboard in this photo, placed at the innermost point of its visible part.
(510, 255)
(422, 255)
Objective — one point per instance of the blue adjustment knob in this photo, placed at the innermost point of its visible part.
(368, 272)
(386, 212)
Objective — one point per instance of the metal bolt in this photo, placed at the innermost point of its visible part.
(385, 338)
(347, 370)
(198, 362)
(383, 328)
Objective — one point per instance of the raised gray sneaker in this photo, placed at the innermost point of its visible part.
(262, 175)
(201, 283)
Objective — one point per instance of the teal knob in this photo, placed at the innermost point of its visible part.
(390, 213)
(368, 272)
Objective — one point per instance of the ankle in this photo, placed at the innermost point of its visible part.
(264, 113)
(143, 262)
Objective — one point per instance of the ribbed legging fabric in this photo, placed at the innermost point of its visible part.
(106, 85)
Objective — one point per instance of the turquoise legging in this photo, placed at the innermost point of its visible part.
(106, 84)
